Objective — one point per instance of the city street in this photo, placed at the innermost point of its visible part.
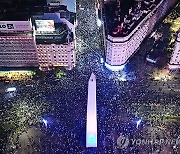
(48, 112)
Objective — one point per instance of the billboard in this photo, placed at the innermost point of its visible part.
(45, 25)
(15, 25)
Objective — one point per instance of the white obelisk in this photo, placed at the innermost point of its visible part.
(91, 121)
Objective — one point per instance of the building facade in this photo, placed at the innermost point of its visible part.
(54, 37)
(53, 55)
(175, 59)
(119, 48)
(44, 40)
(17, 46)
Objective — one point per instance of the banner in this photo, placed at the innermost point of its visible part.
(15, 25)
(45, 25)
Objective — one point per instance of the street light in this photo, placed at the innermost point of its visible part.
(138, 122)
(45, 122)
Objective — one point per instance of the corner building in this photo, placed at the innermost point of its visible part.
(54, 41)
(17, 46)
(126, 29)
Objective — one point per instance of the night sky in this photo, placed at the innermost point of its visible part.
(9, 3)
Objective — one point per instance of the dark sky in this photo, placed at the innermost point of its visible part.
(10, 3)
(71, 5)
(23, 2)
(6, 1)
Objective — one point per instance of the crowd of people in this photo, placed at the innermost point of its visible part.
(118, 104)
(55, 108)
(87, 31)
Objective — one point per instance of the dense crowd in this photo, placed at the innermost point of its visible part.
(118, 103)
(48, 114)
(87, 32)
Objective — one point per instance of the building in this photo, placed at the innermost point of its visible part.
(54, 37)
(17, 46)
(37, 39)
(126, 26)
(70, 4)
(175, 59)
(63, 7)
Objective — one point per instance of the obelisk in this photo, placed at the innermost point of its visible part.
(91, 121)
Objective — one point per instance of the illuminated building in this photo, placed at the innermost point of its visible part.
(54, 38)
(17, 46)
(175, 59)
(46, 41)
(91, 120)
(126, 29)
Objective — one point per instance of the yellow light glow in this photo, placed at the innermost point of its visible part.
(16, 75)
(162, 75)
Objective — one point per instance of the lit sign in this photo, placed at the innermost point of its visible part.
(6, 26)
(45, 25)
(15, 25)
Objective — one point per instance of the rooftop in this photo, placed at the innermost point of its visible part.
(11, 11)
(58, 36)
(121, 18)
